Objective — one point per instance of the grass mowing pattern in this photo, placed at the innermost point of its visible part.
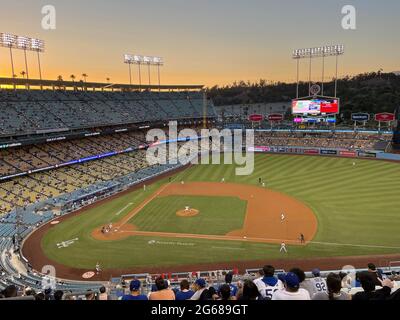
(218, 215)
(354, 205)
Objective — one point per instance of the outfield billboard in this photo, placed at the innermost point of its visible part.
(330, 152)
(256, 117)
(316, 106)
(362, 117)
(311, 151)
(349, 154)
(275, 117)
(385, 117)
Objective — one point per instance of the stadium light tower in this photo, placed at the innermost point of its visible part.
(23, 43)
(128, 59)
(318, 52)
(147, 60)
(38, 46)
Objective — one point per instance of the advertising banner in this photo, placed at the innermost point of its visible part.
(385, 117)
(256, 117)
(259, 149)
(362, 117)
(275, 117)
(350, 154)
(328, 152)
(311, 151)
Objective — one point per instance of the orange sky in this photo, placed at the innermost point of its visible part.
(202, 42)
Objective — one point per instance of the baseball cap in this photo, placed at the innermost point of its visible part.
(201, 282)
(316, 272)
(292, 280)
(134, 285)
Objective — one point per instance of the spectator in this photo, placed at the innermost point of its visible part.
(103, 294)
(162, 293)
(268, 284)
(200, 290)
(30, 292)
(58, 295)
(299, 273)
(10, 292)
(292, 289)
(47, 294)
(211, 294)
(228, 281)
(134, 288)
(370, 293)
(225, 293)
(315, 284)
(334, 284)
(395, 295)
(373, 272)
(90, 295)
(185, 293)
(39, 296)
(249, 291)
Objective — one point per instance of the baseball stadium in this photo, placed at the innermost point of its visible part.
(126, 188)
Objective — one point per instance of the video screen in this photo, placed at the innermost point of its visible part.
(315, 106)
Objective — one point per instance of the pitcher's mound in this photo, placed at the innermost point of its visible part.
(187, 212)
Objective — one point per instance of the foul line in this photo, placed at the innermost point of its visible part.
(123, 209)
(248, 239)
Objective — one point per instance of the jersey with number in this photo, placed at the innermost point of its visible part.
(268, 286)
(314, 285)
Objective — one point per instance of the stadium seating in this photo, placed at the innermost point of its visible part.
(348, 141)
(33, 111)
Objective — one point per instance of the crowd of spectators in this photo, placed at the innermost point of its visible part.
(348, 141)
(368, 285)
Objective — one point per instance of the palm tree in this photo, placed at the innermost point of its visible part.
(84, 75)
(60, 78)
(23, 73)
(72, 77)
(108, 80)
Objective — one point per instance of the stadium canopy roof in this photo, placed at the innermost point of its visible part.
(57, 84)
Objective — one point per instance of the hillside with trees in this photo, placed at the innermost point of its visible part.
(369, 92)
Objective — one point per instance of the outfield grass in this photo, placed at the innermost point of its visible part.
(357, 208)
(218, 215)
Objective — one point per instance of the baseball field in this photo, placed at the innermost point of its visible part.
(205, 216)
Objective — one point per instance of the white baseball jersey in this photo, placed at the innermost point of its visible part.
(267, 291)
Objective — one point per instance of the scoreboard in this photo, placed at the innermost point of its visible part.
(317, 106)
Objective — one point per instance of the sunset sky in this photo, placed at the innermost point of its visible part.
(202, 41)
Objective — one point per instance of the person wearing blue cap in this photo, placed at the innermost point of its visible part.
(201, 291)
(134, 287)
(292, 290)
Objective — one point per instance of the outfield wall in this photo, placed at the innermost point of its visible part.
(334, 152)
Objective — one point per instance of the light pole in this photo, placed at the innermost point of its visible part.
(23, 43)
(318, 52)
(147, 60)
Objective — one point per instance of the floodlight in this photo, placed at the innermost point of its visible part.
(147, 59)
(8, 40)
(23, 43)
(37, 45)
(318, 51)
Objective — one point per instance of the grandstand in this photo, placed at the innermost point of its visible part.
(62, 150)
